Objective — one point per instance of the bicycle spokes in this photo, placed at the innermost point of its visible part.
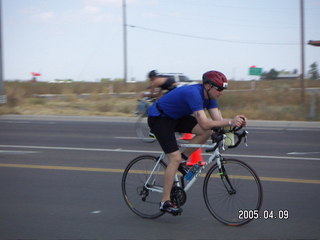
(142, 186)
(230, 187)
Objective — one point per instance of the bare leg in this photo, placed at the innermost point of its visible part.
(174, 161)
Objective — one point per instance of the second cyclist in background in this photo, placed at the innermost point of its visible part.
(160, 84)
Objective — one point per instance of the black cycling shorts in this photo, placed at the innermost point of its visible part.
(164, 129)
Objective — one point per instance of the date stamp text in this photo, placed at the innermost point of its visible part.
(265, 214)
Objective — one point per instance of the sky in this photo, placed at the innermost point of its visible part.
(83, 39)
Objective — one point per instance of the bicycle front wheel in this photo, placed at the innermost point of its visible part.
(143, 130)
(142, 191)
(229, 192)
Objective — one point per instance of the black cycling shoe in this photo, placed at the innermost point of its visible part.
(169, 207)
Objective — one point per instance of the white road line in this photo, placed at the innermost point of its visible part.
(271, 157)
(280, 129)
(126, 137)
(79, 149)
(302, 153)
(146, 151)
(16, 152)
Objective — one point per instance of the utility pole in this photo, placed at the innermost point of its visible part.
(3, 97)
(124, 17)
(302, 50)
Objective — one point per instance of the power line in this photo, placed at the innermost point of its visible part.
(207, 38)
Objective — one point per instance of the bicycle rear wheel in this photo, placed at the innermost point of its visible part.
(142, 201)
(143, 130)
(236, 189)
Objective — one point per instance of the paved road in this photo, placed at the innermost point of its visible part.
(60, 179)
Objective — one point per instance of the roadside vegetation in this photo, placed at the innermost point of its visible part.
(260, 100)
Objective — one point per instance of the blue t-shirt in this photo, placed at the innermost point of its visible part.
(182, 102)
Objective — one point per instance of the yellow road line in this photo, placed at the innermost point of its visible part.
(62, 168)
(112, 170)
(291, 180)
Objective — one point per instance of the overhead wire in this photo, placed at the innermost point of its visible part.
(208, 38)
(226, 40)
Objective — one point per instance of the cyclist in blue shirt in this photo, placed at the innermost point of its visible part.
(182, 110)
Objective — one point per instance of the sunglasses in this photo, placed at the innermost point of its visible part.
(219, 88)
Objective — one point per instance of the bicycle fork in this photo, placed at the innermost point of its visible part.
(225, 178)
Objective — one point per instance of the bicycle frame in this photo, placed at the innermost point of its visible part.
(215, 156)
(228, 185)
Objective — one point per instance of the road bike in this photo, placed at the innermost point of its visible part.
(141, 126)
(230, 185)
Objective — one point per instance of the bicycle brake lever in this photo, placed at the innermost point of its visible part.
(223, 146)
(246, 139)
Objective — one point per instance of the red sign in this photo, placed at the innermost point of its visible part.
(35, 74)
(314, 43)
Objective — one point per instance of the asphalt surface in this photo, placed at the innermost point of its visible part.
(60, 178)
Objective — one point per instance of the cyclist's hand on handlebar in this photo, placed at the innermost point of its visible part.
(239, 121)
(245, 120)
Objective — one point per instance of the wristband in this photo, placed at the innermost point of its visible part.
(230, 123)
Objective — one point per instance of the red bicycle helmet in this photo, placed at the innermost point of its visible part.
(216, 79)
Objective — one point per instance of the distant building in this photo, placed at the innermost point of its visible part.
(288, 76)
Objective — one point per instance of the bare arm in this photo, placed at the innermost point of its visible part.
(215, 114)
(206, 123)
(217, 120)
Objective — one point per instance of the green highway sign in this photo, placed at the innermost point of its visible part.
(255, 71)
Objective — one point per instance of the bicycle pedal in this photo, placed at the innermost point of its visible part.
(176, 214)
(173, 213)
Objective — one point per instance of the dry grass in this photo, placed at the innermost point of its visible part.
(271, 100)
